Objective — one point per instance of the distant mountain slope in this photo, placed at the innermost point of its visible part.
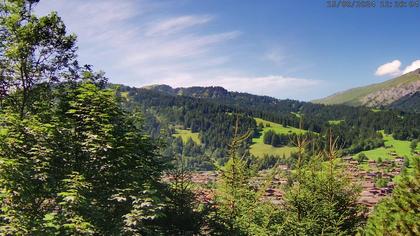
(380, 94)
(212, 92)
(410, 103)
(286, 112)
(205, 114)
(196, 92)
(233, 99)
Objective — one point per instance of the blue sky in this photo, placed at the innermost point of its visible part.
(285, 49)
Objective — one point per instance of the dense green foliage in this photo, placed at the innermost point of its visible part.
(76, 157)
(239, 209)
(322, 203)
(83, 155)
(183, 213)
(72, 161)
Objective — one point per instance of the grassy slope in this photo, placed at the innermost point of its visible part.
(186, 134)
(124, 95)
(261, 149)
(278, 128)
(401, 148)
(353, 96)
(335, 122)
(258, 148)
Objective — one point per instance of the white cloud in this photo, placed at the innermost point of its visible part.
(413, 66)
(390, 68)
(136, 45)
(166, 50)
(271, 85)
(176, 24)
(393, 68)
(133, 41)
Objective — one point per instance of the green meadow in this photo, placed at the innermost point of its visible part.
(261, 149)
(258, 148)
(187, 134)
(400, 148)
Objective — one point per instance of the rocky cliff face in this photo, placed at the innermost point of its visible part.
(387, 96)
(409, 103)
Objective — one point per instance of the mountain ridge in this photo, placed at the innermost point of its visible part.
(194, 91)
(217, 93)
(207, 112)
(379, 94)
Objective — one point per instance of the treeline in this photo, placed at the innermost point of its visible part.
(212, 121)
(74, 161)
(316, 115)
(276, 140)
(209, 112)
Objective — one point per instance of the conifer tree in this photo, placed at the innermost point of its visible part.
(239, 207)
(182, 212)
(321, 199)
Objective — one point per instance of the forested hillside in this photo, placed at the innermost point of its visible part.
(208, 111)
(82, 156)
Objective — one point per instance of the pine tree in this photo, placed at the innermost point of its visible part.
(239, 209)
(275, 140)
(321, 199)
(268, 136)
(413, 145)
(182, 212)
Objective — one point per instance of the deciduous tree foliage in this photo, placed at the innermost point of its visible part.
(32, 50)
(88, 167)
(72, 161)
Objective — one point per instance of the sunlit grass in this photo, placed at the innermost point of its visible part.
(258, 148)
(187, 134)
(335, 122)
(400, 148)
(261, 149)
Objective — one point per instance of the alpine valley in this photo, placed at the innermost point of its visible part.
(83, 155)
(197, 122)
